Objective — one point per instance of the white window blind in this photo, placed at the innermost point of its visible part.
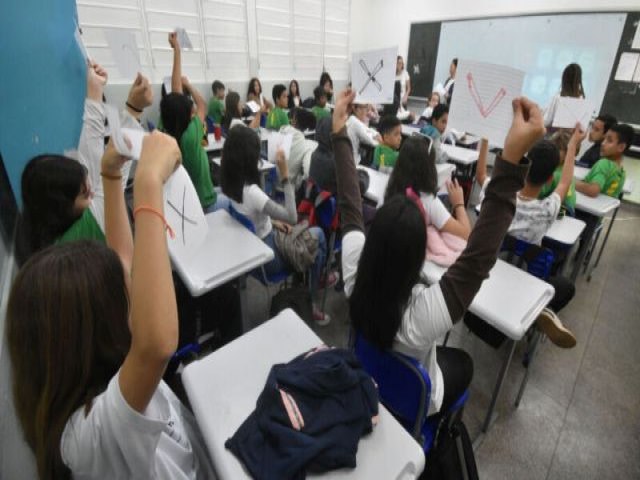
(307, 40)
(226, 39)
(336, 38)
(273, 18)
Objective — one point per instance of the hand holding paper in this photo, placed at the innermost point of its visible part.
(278, 141)
(373, 75)
(183, 39)
(570, 111)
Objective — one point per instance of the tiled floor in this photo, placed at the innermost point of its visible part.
(580, 414)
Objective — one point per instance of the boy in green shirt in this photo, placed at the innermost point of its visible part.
(561, 140)
(386, 153)
(216, 104)
(277, 116)
(607, 175)
(320, 108)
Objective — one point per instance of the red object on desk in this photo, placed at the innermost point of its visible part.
(217, 132)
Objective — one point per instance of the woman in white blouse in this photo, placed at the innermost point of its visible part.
(358, 131)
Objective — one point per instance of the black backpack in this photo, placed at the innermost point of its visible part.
(451, 457)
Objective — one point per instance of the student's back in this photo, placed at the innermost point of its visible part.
(323, 167)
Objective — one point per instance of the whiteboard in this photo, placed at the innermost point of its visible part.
(541, 45)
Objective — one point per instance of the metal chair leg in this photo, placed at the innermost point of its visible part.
(530, 354)
(604, 242)
(446, 338)
(498, 387)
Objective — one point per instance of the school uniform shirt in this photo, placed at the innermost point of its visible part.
(235, 122)
(448, 90)
(570, 197)
(360, 134)
(216, 110)
(320, 112)
(85, 228)
(427, 113)
(195, 160)
(385, 156)
(277, 118)
(437, 213)
(299, 161)
(608, 175)
(591, 156)
(252, 206)
(112, 440)
(403, 78)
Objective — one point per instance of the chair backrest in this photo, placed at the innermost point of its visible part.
(242, 219)
(320, 206)
(403, 384)
(534, 259)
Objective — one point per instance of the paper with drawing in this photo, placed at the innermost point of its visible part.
(373, 75)
(570, 111)
(278, 140)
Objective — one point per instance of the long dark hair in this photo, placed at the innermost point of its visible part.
(67, 334)
(50, 186)
(324, 78)
(298, 94)
(239, 163)
(415, 168)
(231, 108)
(251, 90)
(389, 268)
(175, 110)
(572, 81)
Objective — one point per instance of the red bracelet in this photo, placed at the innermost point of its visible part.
(144, 208)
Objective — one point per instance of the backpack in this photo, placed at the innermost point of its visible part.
(299, 248)
(297, 298)
(451, 457)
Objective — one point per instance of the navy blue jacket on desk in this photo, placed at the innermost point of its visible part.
(591, 156)
(309, 417)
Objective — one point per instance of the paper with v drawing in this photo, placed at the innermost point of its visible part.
(184, 215)
(571, 111)
(481, 102)
(373, 74)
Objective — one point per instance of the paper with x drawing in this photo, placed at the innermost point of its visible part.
(184, 215)
(124, 49)
(373, 74)
(570, 111)
(481, 102)
(278, 140)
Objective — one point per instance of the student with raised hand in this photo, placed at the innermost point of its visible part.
(388, 303)
(416, 169)
(358, 131)
(562, 140)
(240, 181)
(233, 113)
(92, 403)
(187, 127)
(277, 116)
(607, 176)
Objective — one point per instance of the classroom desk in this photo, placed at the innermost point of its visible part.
(408, 130)
(509, 300)
(460, 155)
(580, 172)
(214, 146)
(565, 230)
(223, 388)
(229, 251)
(378, 181)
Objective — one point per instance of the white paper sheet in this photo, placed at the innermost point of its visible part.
(570, 111)
(278, 140)
(481, 102)
(166, 81)
(635, 44)
(627, 66)
(373, 74)
(636, 76)
(128, 142)
(80, 43)
(253, 106)
(125, 52)
(183, 39)
(184, 215)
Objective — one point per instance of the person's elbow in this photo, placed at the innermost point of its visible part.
(589, 189)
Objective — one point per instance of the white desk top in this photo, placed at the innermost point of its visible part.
(229, 250)
(509, 300)
(214, 146)
(468, 139)
(598, 206)
(464, 156)
(580, 172)
(408, 130)
(565, 230)
(223, 388)
(378, 181)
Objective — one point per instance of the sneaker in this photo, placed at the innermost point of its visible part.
(328, 281)
(549, 324)
(321, 318)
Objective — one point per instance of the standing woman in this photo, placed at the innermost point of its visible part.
(255, 93)
(294, 95)
(571, 87)
(448, 85)
(402, 76)
(327, 85)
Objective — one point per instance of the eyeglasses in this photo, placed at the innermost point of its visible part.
(427, 138)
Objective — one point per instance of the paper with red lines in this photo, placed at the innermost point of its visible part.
(481, 102)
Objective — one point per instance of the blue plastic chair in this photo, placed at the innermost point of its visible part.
(405, 389)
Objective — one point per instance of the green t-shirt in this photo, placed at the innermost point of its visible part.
(608, 175)
(216, 110)
(195, 160)
(570, 197)
(320, 112)
(277, 118)
(85, 228)
(384, 156)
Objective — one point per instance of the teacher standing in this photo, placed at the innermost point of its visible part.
(448, 85)
(402, 76)
(571, 87)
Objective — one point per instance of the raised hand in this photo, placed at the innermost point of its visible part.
(173, 40)
(160, 157)
(140, 93)
(96, 80)
(341, 110)
(526, 128)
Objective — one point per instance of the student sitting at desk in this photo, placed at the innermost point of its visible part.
(302, 148)
(607, 176)
(388, 303)
(216, 104)
(277, 116)
(186, 126)
(358, 131)
(432, 102)
(386, 153)
(255, 94)
(91, 401)
(598, 130)
(561, 140)
(416, 169)
(233, 113)
(240, 180)
(320, 108)
(323, 165)
(435, 129)
(534, 217)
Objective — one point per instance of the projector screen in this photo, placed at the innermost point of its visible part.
(541, 46)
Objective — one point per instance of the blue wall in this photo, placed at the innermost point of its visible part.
(42, 81)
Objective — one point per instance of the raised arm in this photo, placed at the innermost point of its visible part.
(463, 279)
(569, 161)
(176, 72)
(154, 316)
(288, 213)
(458, 224)
(201, 105)
(481, 167)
